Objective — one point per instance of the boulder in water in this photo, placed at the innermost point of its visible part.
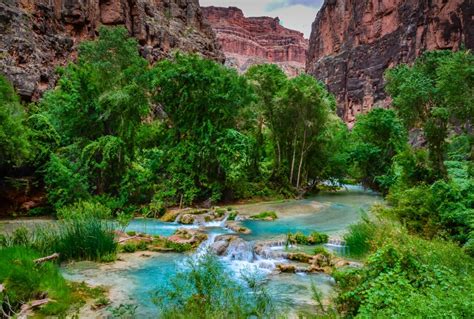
(302, 257)
(238, 228)
(289, 268)
(221, 244)
(187, 219)
(188, 236)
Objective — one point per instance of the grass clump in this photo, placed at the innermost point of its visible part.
(359, 237)
(232, 215)
(24, 280)
(314, 238)
(85, 238)
(204, 290)
(268, 215)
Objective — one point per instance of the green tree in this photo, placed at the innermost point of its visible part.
(435, 94)
(14, 144)
(377, 137)
(203, 152)
(97, 108)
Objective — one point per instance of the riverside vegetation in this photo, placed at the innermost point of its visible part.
(117, 137)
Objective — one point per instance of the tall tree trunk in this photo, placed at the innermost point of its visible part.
(301, 159)
(293, 161)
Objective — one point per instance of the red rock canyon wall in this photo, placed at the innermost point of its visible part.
(38, 35)
(248, 41)
(354, 41)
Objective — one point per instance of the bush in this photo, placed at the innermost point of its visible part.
(408, 277)
(129, 247)
(204, 290)
(359, 236)
(314, 238)
(84, 209)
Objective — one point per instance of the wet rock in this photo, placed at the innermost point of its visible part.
(170, 216)
(240, 249)
(188, 236)
(287, 268)
(320, 260)
(301, 257)
(238, 228)
(221, 243)
(187, 219)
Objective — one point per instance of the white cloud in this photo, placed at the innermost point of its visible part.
(293, 14)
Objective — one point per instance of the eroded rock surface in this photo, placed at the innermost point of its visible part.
(353, 42)
(247, 41)
(39, 35)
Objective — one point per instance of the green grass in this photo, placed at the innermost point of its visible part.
(24, 280)
(265, 215)
(74, 239)
(359, 237)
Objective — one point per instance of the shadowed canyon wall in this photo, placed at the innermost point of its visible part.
(37, 36)
(248, 41)
(354, 41)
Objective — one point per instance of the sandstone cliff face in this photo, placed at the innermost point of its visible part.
(353, 42)
(248, 41)
(38, 35)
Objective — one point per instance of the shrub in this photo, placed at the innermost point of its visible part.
(359, 236)
(204, 290)
(408, 277)
(129, 247)
(84, 209)
(232, 215)
(314, 238)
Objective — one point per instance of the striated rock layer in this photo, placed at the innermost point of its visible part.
(248, 41)
(38, 35)
(353, 42)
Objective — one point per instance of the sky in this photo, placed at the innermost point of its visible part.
(293, 14)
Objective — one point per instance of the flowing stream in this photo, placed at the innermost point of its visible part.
(133, 280)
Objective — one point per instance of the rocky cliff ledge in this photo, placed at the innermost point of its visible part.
(353, 42)
(248, 41)
(38, 35)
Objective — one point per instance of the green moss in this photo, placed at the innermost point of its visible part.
(268, 215)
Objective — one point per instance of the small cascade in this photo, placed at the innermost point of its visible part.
(218, 223)
(178, 217)
(241, 250)
(336, 242)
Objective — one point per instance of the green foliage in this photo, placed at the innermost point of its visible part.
(376, 138)
(204, 290)
(359, 237)
(433, 94)
(271, 215)
(202, 152)
(409, 277)
(14, 143)
(97, 108)
(84, 210)
(24, 280)
(83, 238)
(314, 238)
